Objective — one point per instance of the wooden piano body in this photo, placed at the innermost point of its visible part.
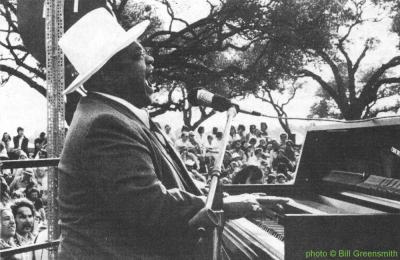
(345, 199)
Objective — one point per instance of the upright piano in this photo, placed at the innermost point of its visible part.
(345, 200)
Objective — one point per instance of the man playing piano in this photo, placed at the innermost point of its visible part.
(123, 191)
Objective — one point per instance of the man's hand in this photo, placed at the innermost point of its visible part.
(241, 205)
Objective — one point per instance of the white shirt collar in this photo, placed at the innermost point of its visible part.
(140, 113)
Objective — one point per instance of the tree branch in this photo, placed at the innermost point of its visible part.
(22, 76)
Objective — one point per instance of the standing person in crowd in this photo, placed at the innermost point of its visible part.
(214, 131)
(263, 128)
(219, 140)
(40, 143)
(283, 137)
(241, 132)
(124, 193)
(251, 134)
(21, 142)
(169, 134)
(233, 136)
(201, 137)
(6, 141)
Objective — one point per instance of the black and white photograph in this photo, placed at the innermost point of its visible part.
(199, 129)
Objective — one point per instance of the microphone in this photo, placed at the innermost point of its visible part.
(202, 97)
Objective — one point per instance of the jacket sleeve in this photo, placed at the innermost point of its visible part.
(117, 157)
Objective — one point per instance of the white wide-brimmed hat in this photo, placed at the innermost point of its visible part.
(93, 40)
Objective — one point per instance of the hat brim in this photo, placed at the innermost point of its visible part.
(131, 36)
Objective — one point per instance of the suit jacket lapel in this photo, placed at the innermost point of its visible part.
(176, 160)
(171, 157)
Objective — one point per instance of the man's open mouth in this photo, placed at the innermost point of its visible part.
(150, 82)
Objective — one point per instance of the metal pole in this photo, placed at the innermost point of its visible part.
(214, 186)
(55, 107)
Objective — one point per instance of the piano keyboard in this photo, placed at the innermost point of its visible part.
(253, 240)
(270, 227)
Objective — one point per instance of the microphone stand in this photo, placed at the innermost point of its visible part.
(213, 213)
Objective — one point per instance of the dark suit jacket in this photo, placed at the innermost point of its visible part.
(24, 145)
(121, 195)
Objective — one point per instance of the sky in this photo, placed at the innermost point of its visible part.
(22, 106)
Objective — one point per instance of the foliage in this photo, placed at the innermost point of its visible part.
(354, 89)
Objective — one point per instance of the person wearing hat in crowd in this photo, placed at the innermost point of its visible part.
(21, 182)
(124, 192)
(236, 157)
(195, 174)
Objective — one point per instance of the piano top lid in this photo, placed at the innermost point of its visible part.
(370, 147)
(375, 122)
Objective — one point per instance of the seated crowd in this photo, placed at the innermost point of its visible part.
(23, 194)
(250, 158)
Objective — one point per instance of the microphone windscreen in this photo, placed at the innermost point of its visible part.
(200, 97)
(192, 96)
(220, 103)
